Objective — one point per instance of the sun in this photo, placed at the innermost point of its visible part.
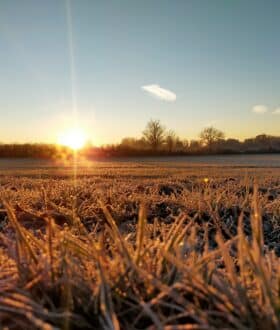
(74, 138)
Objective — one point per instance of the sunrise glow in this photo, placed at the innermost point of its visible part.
(74, 138)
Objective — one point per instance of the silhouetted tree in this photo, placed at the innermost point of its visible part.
(262, 142)
(171, 141)
(35, 150)
(154, 134)
(133, 143)
(209, 136)
(185, 144)
(194, 146)
(232, 145)
(129, 142)
(153, 138)
(180, 145)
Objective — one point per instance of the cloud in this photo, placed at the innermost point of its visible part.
(276, 111)
(160, 93)
(259, 109)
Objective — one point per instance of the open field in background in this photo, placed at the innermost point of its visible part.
(258, 160)
(143, 244)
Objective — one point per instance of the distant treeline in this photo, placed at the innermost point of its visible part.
(34, 150)
(155, 141)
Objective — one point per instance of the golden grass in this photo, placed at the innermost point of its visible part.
(131, 257)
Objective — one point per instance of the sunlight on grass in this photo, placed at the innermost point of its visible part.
(177, 256)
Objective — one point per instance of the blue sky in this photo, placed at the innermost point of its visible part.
(219, 58)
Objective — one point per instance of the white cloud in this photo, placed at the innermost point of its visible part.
(259, 109)
(276, 111)
(160, 93)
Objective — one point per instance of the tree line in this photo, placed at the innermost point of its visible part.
(34, 150)
(155, 140)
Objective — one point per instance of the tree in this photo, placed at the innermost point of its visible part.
(209, 136)
(263, 142)
(181, 145)
(194, 146)
(154, 134)
(133, 143)
(232, 145)
(185, 144)
(171, 140)
(129, 142)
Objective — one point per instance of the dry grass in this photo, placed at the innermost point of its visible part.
(137, 247)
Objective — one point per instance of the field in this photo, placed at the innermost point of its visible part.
(140, 245)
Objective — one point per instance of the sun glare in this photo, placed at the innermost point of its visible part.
(74, 138)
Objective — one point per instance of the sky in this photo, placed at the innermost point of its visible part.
(110, 66)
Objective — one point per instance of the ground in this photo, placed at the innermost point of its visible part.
(140, 245)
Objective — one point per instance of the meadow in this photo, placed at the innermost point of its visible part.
(140, 245)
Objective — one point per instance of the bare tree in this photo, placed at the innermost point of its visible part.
(154, 134)
(171, 140)
(194, 146)
(181, 145)
(210, 135)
